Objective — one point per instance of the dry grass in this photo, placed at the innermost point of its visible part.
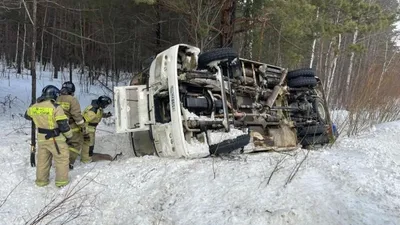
(367, 105)
(72, 205)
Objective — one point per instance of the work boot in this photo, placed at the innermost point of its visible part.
(91, 148)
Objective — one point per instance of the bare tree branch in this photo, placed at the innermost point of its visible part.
(9, 194)
(296, 169)
(70, 9)
(90, 39)
(27, 12)
(62, 39)
(9, 5)
(71, 205)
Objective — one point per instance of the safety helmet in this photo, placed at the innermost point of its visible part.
(50, 92)
(103, 101)
(68, 87)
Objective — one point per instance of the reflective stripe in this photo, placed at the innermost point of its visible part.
(63, 117)
(80, 122)
(60, 183)
(41, 183)
(42, 111)
(76, 129)
(74, 150)
(59, 138)
(37, 111)
(68, 134)
(86, 116)
(65, 105)
(91, 116)
(91, 129)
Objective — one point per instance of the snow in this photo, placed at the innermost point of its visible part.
(197, 149)
(356, 181)
(220, 135)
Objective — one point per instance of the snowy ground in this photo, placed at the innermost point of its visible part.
(357, 181)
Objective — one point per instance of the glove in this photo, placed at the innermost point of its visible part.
(86, 137)
(106, 115)
(69, 141)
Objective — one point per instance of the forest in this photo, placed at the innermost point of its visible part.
(350, 43)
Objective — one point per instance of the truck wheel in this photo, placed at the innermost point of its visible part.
(302, 82)
(311, 130)
(306, 72)
(318, 105)
(216, 54)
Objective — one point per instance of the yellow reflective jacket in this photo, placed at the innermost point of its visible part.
(92, 115)
(47, 115)
(72, 109)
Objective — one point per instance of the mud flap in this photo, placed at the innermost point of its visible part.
(230, 145)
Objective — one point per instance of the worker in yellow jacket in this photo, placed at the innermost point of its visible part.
(93, 115)
(72, 109)
(51, 122)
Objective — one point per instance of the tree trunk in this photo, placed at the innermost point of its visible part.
(326, 64)
(82, 23)
(351, 62)
(56, 67)
(158, 29)
(227, 23)
(33, 68)
(52, 41)
(16, 47)
(133, 56)
(313, 46)
(248, 36)
(386, 65)
(332, 73)
(22, 64)
(42, 42)
(107, 72)
(6, 50)
(70, 71)
(319, 66)
(261, 42)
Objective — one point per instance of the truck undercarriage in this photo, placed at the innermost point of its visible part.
(193, 105)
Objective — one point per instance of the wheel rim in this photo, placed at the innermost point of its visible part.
(321, 111)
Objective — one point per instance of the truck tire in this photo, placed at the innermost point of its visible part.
(319, 108)
(216, 54)
(306, 72)
(311, 130)
(228, 146)
(302, 82)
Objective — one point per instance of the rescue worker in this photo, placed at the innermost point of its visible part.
(50, 121)
(93, 115)
(72, 109)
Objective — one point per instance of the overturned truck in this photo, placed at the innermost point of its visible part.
(194, 105)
